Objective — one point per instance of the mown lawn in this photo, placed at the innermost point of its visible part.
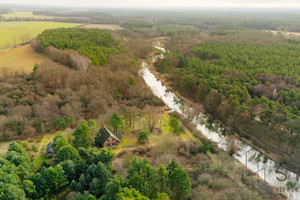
(13, 33)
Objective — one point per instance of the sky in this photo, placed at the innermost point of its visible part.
(160, 3)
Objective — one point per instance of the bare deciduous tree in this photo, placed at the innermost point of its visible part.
(79, 62)
(20, 112)
(151, 117)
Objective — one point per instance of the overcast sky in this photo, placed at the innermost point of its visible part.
(160, 3)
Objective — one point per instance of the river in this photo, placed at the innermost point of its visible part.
(252, 159)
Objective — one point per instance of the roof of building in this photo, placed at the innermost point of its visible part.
(50, 147)
(105, 133)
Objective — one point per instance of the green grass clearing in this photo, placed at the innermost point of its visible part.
(14, 33)
(41, 154)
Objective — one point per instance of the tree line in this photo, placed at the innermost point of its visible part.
(97, 45)
(252, 89)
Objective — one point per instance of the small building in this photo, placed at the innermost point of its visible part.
(50, 150)
(107, 139)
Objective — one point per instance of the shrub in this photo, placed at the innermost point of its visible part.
(143, 136)
(34, 148)
(166, 145)
(38, 140)
(62, 123)
(174, 123)
(206, 146)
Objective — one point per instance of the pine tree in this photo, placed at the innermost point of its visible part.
(82, 135)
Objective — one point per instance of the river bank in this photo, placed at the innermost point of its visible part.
(253, 159)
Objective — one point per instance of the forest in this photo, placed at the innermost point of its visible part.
(251, 88)
(244, 78)
(202, 20)
(96, 44)
(54, 99)
(88, 172)
(33, 103)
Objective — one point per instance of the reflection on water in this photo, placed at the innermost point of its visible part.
(252, 159)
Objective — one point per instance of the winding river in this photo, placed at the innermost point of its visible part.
(248, 156)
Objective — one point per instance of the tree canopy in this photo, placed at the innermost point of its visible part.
(96, 44)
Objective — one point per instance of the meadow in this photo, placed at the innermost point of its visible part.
(21, 60)
(14, 33)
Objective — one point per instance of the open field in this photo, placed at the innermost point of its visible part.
(286, 34)
(14, 33)
(23, 14)
(103, 26)
(21, 60)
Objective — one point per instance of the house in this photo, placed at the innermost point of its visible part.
(107, 139)
(50, 150)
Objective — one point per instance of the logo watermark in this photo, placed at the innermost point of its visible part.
(280, 176)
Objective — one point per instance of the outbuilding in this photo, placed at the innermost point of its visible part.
(50, 150)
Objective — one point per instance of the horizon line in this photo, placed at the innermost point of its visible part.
(152, 7)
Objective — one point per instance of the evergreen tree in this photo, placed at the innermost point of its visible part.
(66, 153)
(54, 177)
(112, 189)
(59, 141)
(82, 135)
(180, 184)
(115, 121)
(162, 179)
(174, 123)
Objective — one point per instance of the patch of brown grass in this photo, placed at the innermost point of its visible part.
(21, 60)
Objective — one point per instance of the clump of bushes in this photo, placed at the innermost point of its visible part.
(144, 136)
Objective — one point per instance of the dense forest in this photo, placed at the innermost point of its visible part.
(251, 88)
(97, 45)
